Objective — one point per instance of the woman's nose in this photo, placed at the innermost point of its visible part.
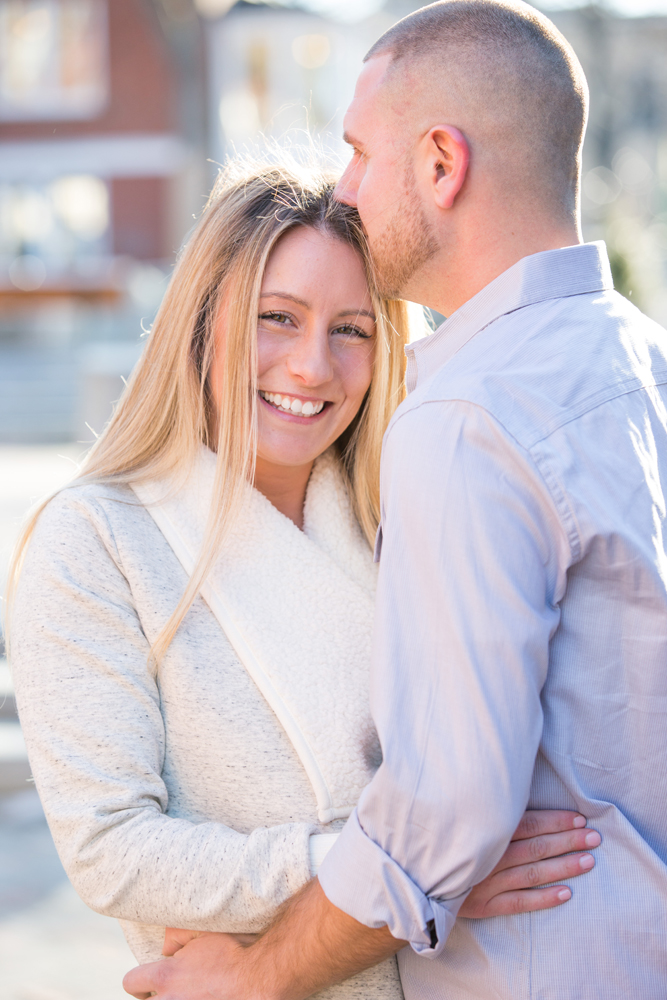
(310, 359)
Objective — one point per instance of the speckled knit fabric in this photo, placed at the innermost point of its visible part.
(174, 797)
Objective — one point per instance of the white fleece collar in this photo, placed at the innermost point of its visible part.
(297, 606)
(330, 523)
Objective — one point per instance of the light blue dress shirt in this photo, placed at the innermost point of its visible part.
(521, 640)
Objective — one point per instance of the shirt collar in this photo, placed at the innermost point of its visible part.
(552, 274)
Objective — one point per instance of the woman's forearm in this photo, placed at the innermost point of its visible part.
(156, 869)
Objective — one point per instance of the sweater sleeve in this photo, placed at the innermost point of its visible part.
(90, 710)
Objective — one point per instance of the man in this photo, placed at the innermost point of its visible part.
(521, 638)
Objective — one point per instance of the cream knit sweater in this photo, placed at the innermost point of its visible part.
(176, 797)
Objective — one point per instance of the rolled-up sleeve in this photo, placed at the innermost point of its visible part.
(473, 566)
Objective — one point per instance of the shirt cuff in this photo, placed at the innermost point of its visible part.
(319, 846)
(359, 878)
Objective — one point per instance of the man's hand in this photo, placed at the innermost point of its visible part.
(310, 945)
(209, 967)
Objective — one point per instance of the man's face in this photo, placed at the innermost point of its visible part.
(379, 181)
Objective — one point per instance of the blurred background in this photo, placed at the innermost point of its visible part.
(114, 115)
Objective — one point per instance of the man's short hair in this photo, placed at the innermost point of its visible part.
(524, 70)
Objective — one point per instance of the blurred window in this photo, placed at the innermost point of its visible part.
(61, 224)
(53, 59)
(311, 51)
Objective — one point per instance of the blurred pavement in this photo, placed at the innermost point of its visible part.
(28, 472)
(52, 947)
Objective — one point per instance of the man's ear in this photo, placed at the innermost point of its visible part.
(448, 154)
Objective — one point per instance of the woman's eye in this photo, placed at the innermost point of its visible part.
(277, 317)
(348, 330)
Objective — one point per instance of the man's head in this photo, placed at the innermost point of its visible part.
(467, 122)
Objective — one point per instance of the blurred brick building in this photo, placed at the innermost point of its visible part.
(281, 70)
(624, 196)
(102, 164)
(109, 110)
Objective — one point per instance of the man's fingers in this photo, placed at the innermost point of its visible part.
(552, 870)
(536, 822)
(528, 900)
(549, 845)
(145, 980)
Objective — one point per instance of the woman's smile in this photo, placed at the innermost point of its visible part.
(291, 405)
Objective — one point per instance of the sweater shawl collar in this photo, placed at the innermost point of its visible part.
(297, 607)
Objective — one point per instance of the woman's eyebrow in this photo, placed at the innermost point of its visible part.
(306, 305)
(356, 312)
(285, 295)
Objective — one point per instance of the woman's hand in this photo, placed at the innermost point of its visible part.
(176, 938)
(538, 853)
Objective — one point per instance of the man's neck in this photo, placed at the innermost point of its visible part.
(453, 278)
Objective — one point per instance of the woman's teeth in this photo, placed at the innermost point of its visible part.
(290, 405)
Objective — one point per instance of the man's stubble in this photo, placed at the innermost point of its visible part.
(406, 244)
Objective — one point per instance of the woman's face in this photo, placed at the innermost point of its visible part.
(315, 345)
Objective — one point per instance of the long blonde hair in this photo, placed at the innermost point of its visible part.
(164, 414)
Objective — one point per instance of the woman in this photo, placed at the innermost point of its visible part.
(191, 651)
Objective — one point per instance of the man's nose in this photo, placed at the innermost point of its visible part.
(346, 189)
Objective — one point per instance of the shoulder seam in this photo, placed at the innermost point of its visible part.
(599, 398)
(87, 505)
(562, 507)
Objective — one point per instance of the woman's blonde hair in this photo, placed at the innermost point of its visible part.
(165, 413)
